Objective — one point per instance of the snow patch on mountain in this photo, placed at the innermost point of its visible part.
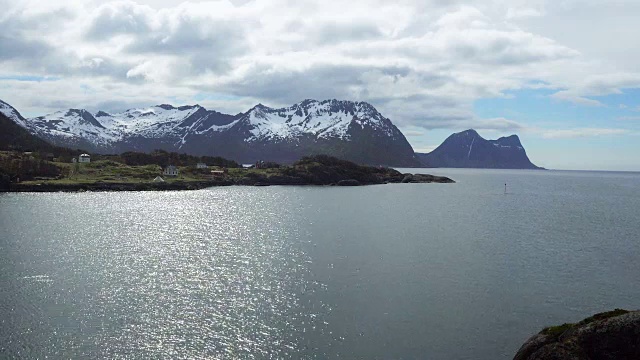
(308, 120)
(352, 130)
(150, 122)
(10, 112)
(326, 119)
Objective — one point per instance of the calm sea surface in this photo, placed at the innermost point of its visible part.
(403, 271)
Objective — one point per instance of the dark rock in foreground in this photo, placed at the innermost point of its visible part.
(605, 336)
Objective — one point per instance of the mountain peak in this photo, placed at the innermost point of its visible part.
(467, 149)
(189, 107)
(512, 140)
(469, 132)
(260, 108)
(75, 111)
(10, 112)
(85, 117)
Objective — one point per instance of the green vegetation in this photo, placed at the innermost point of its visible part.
(602, 316)
(29, 172)
(165, 158)
(325, 169)
(557, 331)
(30, 166)
(27, 166)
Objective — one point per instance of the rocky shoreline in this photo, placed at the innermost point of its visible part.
(611, 335)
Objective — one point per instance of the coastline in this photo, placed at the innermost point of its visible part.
(47, 186)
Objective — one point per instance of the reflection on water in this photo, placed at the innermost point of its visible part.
(402, 271)
(176, 274)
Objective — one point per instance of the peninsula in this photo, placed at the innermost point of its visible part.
(112, 173)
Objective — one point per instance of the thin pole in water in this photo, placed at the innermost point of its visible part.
(505, 188)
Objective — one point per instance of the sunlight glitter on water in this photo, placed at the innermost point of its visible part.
(183, 275)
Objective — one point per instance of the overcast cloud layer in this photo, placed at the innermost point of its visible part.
(422, 63)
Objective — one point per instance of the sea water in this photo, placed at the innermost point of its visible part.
(398, 271)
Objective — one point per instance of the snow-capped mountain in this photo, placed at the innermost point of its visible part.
(13, 135)
(11, 113)
(351, 130)
(467, 149)
(327, 119)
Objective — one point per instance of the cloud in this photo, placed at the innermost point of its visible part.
(496, 124)
(582, 132)
(576, 99)
(15, 48)
(335, 32)
(425, 149)
(598, 85)
(117, 18)
(518, 13)
(413, 133)
(421, 63)
(208, 36)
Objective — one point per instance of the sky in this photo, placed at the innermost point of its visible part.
(562, 74)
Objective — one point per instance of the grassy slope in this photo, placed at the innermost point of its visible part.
(114, 172)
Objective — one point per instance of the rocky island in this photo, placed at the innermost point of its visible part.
(613, 335)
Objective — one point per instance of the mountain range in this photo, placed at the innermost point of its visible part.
(467, 149)
(350, 130)
(14, 137)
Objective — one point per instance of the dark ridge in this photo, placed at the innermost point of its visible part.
(512, 140)
(86, 117)
(188, 107)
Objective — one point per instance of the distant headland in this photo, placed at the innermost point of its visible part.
(467, 149)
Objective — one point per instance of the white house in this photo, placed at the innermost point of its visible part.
(84, 158)
(171, 171)
(202, 166)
